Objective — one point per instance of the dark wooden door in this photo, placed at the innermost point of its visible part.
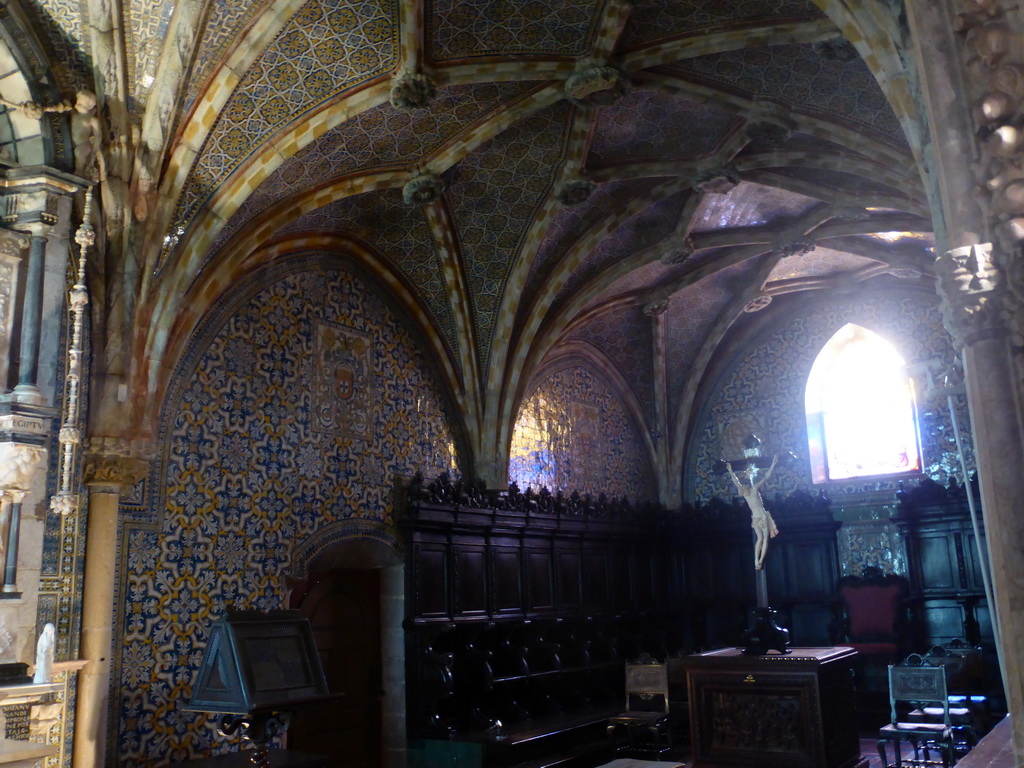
(344, 608)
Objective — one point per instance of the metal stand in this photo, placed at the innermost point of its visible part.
(260, 728)
(765, 634)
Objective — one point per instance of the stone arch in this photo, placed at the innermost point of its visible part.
(29, 77)
(356, 544)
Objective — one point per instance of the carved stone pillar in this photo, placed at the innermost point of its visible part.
(37, 209)
(108, 469)
(18, 464)
(976, 305)
(31, 324)
(669, 485)
(11, 246)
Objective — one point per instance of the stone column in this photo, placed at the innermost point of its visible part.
(31, 323)
(976, 302)
(106, 474)
(18, 463)
(669, 477)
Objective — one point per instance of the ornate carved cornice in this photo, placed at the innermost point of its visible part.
(18, 463)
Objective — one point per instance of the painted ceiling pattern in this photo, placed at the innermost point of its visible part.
(326, 48)
(665, 18)
(379, 137)
(148, 21)
(650, 125)
(486, 27)
(690, 313)
(400, 233)
(749, 205)
(62, 27)
(494, 195)
(555, 199)
(228, 19)
(820, 261)
(624, 335)
(571, 222)
(802, 77)
(646, 228)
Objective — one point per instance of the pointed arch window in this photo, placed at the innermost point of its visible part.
(861, 410)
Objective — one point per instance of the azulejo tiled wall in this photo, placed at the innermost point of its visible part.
(765, 382)
(573, 434)
(298, 404)
(764, 386)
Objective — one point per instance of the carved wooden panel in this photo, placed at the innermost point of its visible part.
(621, 580)
(809, 572)
(645, 564)
(937, 560)
(508, 590)
(569, 582)
(540, 579)
(595, 581)
(431, 586)
(772, 711)
(942, 620)
(470, 580)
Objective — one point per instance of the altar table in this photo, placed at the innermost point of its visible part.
(773, 710)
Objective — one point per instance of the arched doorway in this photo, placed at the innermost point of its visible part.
(353, 595)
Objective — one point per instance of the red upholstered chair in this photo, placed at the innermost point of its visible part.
(874, 622)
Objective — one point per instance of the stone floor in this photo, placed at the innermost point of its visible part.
(994, 751)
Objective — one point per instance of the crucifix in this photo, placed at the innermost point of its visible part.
(746, 475)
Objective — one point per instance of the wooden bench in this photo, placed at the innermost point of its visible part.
(566, 740)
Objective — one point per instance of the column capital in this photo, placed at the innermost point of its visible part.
(116, 462)
(975, 299)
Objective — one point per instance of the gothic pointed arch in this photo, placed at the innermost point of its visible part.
(861, 409)
(29, 75)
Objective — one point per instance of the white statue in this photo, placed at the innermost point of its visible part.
(44, 655)
(760, 518)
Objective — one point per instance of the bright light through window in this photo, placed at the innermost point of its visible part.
(861, 417)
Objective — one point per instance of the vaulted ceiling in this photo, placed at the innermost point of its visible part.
(531, 178)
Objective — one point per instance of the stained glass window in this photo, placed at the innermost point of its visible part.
(861, 412)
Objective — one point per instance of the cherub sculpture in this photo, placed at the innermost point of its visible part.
(760, 518)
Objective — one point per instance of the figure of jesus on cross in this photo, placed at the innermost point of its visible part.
(760, 518)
